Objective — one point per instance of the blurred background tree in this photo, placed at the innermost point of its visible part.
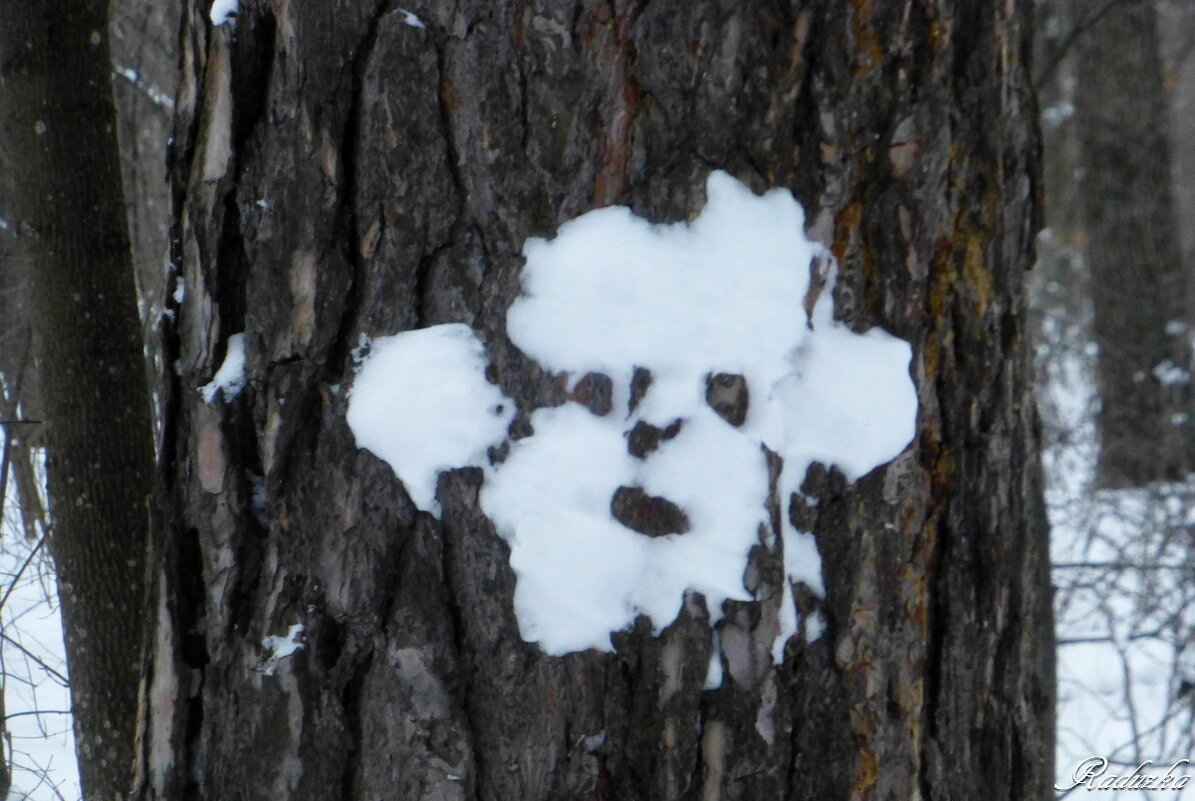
(1112, 297)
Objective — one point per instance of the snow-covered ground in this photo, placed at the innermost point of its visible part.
(34, 671)
(1125, 597)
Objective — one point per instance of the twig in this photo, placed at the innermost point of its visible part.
(1068, 41)
(37, 660)
(37, 712)
(24, 565)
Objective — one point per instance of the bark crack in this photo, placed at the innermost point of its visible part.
(350, 699)
(346, 216)
(447, 98)
(460, 643)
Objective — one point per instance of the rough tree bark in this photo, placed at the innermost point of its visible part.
(1139, 284)
(59, 128)
(342, 172)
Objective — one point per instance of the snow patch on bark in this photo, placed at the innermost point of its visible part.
(421, 403)
(279, 647)
(229, 380)
(737, 297)
(223, 10)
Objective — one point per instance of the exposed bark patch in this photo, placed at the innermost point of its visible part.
(818, 271)
(217, 147)
(727, 395)
(607, 43)
(640, 383)
(595, 391)
(645, 438)
(647, 514)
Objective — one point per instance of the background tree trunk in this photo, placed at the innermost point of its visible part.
(1139, 283)
(59, 128)
(345, 173)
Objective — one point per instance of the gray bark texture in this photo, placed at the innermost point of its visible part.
(341, 172)
(59, 128)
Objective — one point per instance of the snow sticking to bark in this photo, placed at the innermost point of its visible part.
(410, 18)
(726, 296)
(230, 378)
(423, 405)
(223, 10)
(279, 647)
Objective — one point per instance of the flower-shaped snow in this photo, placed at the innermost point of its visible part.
(722, 295)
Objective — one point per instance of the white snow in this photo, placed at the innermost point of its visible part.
(1170, 374)
(230, 378)
(37, 701)
(422, 404)
(358, 353)
(724, 293)
(223, 10)
(1122, 605)
(155, 95)
(410, 18)
(280, 647)
(713, 673)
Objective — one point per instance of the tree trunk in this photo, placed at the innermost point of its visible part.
(144, 36)
(1139, 284)
(346, 173)
(60, 137)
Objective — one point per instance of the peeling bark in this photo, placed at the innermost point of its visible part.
(374, 177)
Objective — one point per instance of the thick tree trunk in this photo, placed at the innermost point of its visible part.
(60, 137)
(346, 172)
(1139, 284)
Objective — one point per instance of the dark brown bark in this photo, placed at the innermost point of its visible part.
(59, 128)
(347, 173)
(1139, 284)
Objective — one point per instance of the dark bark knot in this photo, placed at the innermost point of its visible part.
(647, 514)
(727, 395)
(645, 438)
(595, 391)
(640, 383)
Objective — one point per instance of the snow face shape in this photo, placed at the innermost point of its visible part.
(741, 357)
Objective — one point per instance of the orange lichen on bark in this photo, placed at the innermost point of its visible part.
(846, 223)
(607, 42)
(976, 274)
(871, 51)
